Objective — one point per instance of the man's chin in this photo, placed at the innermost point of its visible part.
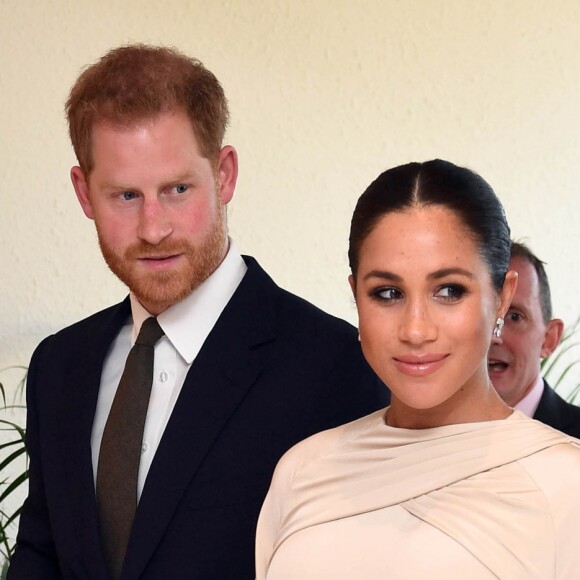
(497, 376)
(504, 387)
(161, 287)
(158, 297)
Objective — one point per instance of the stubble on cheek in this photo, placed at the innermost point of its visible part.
(168, 287)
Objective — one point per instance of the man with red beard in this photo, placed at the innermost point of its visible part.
(236, 369)
(529, 335)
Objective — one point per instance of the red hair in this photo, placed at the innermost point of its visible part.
(138, 81)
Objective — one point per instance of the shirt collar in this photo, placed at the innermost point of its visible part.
(529, 404)
(188, 323)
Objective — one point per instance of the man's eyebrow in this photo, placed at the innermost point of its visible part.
(181, 177)
(118, 186)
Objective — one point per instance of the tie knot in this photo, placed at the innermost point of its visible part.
(150, 332)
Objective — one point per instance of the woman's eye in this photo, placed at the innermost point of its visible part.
(451, 292)
(388, 294)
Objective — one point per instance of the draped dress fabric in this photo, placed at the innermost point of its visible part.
(496, 499)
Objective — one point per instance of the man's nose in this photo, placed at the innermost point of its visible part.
(154, 222)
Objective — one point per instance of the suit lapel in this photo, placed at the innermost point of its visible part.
(78, 402)
(227, 366)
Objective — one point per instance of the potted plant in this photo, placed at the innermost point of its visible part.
(558, 368)
(13, 475)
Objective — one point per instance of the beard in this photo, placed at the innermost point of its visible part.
(159, 290)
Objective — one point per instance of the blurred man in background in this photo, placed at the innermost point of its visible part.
(529, 335)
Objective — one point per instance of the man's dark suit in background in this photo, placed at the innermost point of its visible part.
(558, 413)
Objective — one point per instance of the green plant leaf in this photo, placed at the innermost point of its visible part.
(557, 367)
(14, 485)
(12, 450)
(12, 457)
(14, 426)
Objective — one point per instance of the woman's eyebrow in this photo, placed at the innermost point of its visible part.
(449, 271)
(383, 274)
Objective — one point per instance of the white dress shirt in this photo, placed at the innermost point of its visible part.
(529, 404)
(186, 324)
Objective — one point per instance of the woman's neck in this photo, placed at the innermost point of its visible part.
(465, 406)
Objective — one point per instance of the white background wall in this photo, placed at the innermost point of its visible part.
(324, 94)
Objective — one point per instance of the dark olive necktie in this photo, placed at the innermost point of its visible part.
(120, 453)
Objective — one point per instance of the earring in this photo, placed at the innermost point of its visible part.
(498, 327)
(359, 336)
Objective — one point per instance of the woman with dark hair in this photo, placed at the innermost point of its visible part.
(448, 482)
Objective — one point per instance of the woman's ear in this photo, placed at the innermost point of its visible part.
(507, 293)
(352, 282)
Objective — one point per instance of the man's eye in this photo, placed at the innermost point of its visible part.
(514, 316)
(128, 195)
(180, 188)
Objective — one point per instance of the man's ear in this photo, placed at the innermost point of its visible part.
(82, 190)
(227, 173)
(507, 293)
(554, 331)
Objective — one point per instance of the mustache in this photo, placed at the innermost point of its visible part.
(144, 249)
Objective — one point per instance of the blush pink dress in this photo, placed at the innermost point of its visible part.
(476, 501)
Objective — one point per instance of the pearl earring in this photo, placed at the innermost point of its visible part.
(498, 327)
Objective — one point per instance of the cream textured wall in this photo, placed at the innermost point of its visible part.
(324, 95)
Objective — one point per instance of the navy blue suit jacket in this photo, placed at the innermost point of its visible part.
(558, 413)
(273, 370)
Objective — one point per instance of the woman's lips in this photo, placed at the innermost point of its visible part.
(418, 366)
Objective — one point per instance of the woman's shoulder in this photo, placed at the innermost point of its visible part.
(326, 443)
(555, 472)
(556, 468)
